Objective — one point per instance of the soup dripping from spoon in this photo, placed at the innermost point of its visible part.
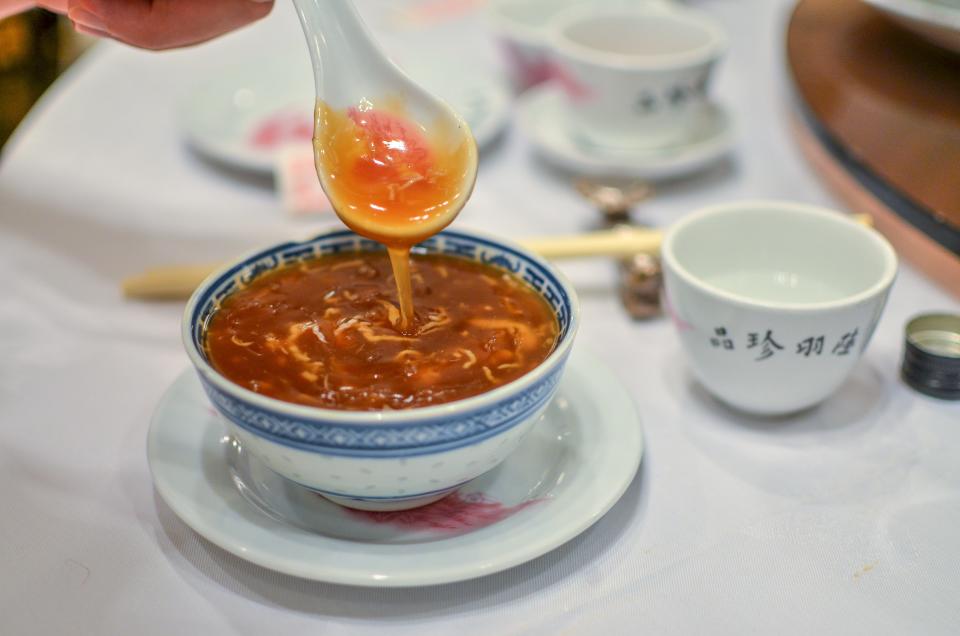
(397, 163)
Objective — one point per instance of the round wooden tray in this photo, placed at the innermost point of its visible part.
(880, 120)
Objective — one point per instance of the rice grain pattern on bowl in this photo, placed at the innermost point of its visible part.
(384, 460)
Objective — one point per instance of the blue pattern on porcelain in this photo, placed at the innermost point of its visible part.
(373, 440)
(394, 433)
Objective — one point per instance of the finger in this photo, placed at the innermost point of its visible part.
(57, 6)
(86, 21)
(11, 7)
(81, 28)
(162, 24)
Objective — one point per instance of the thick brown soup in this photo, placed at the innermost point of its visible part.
(326, 333)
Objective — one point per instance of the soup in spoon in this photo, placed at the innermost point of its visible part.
(393, 180)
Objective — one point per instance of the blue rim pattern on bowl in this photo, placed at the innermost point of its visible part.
(365, 434)
(453, 432)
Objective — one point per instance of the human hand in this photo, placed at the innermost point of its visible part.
(157, 24)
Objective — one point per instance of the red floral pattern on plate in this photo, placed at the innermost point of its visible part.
(454, 513)
(297, 182)
(280, 129)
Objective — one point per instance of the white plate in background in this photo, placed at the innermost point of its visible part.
(245, 116)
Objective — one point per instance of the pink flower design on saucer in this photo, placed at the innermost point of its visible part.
(454, 513)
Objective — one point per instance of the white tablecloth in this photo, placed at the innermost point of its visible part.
(843, 520)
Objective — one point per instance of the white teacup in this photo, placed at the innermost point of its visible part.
(635, 77)
(774, 302)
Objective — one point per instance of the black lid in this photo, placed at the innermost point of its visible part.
(931, 357)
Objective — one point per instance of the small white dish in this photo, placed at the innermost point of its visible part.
(936, 20)
(247, 117)
(542, 116)
(547, 492)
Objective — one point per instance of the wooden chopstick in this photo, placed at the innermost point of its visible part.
(172, 282)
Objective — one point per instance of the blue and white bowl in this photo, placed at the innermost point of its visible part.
(384, 460)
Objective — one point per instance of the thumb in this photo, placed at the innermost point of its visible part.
(163, 24)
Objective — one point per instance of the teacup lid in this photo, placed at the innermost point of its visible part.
(931, 357)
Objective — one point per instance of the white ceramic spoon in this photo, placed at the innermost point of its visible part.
(352, 72)
(396, 163)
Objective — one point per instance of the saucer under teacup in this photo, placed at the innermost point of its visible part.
(543, 116)
(547, 492)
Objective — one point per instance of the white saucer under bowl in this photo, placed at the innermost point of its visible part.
(542, 117)
(568, 472)
(244, 118)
